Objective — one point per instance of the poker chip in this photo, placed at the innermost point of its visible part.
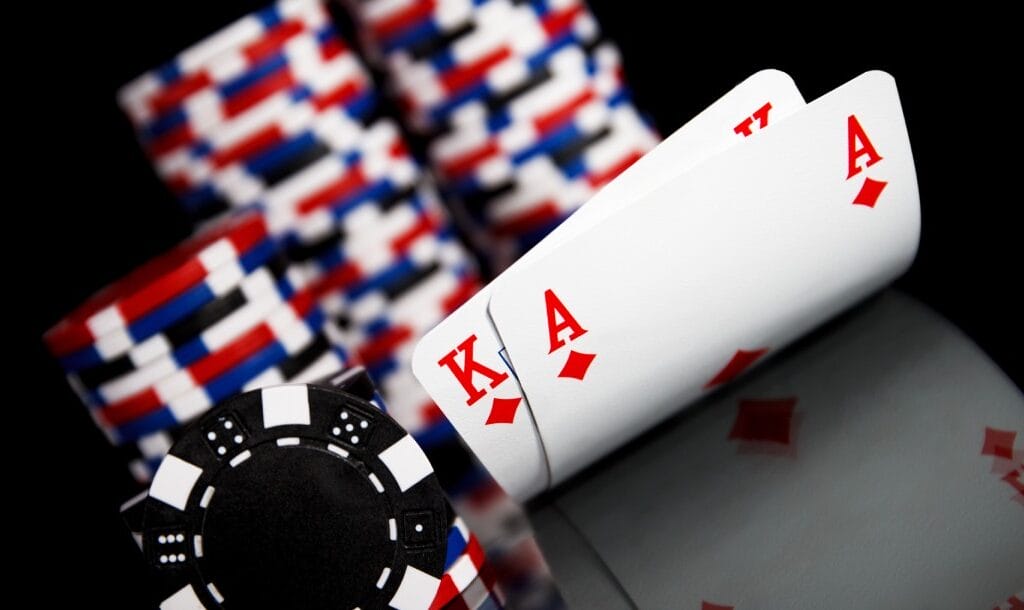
(296, 496)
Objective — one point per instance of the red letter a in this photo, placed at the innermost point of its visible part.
(856, 134)
(553, 306)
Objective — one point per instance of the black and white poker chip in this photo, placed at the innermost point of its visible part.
(295, 496)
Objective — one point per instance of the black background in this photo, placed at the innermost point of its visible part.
(91, 208)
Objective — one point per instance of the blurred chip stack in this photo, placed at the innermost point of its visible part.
(523, 106)
(221, 313)
(277, 113)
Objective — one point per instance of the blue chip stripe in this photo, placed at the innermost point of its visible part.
(456, 547)
(218, 389)
(438, 433)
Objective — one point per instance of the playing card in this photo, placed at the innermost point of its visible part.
(877, 466)
(459, 362)
(711, 272)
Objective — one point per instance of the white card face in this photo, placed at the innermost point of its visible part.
(711, 272)
(459, 362)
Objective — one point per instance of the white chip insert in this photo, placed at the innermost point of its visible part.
(285, 405)
(407, 462)
(174, 481)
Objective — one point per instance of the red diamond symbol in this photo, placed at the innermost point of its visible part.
(709, 606)
(1016, 603)
(1016, 481)
(576, 365)
(764, 420)
(869, 192)
(740, 362)
(999, 443)
(503, 410)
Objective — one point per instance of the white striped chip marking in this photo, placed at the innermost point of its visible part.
(215, 593)
(241, 457)
(377, 484)
(197, 544)
(416, 591)
(184, 599)
(392, 529)
(407, 462)
(174, 481)
(207, 496)
(285, 405)
(383, 578)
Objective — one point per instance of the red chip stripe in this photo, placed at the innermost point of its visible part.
(338, 278)
(332, 48)
(600, 179)
(172, 95)
(469, 286)
(383, 345)
(273, 40)
(556, 23)
(447, 590)
(248, 147)
(459, 78)
(278, 81)
(462, 164)
(430, 412)
(415, 13)
(181, 135)
(351, 181)
(538, 216)
(561, 115)
(425, 225)
(339, 95)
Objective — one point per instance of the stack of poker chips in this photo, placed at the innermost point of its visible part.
(223, 312)
(276, 113)
(523, 106)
